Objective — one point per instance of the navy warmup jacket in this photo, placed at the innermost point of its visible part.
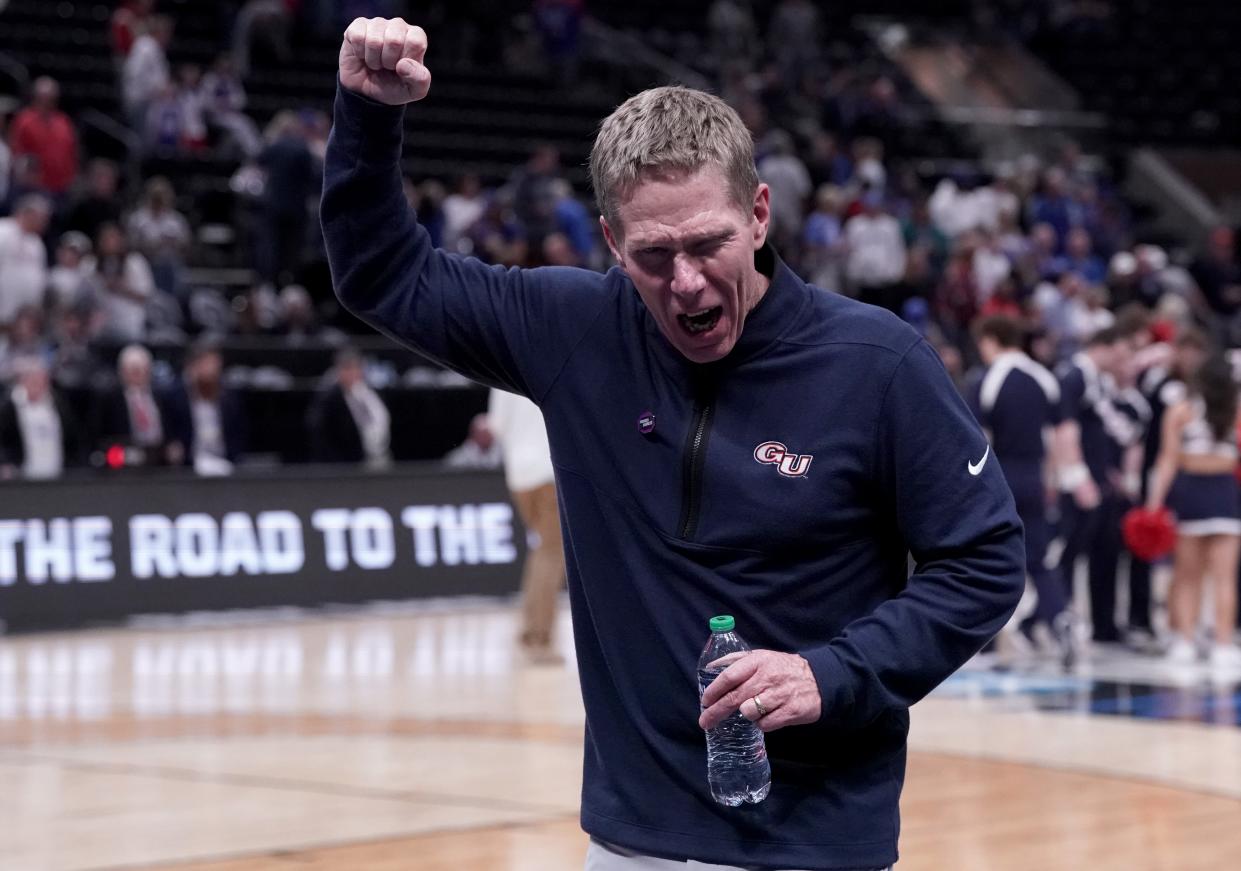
(784, 485)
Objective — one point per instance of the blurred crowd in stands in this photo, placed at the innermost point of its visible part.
(92, 262)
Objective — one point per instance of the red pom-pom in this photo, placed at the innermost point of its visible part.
(1163, 331)
(1150, 535)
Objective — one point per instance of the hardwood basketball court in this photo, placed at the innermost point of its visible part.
(412, 738)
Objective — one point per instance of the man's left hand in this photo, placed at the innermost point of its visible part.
(782, 682)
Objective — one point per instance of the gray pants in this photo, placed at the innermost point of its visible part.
(601, 857)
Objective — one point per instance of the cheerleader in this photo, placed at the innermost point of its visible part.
(1162, 384)
(1195, 473)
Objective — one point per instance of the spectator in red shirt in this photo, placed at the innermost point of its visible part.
(45, 132)
(1002, 302)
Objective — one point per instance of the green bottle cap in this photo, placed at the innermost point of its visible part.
(723, 623)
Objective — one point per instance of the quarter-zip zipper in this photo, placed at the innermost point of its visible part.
(694, 461)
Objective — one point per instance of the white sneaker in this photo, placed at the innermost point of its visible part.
(1181, 652)
(1226, 657)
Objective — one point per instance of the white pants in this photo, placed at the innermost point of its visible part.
(601, 858)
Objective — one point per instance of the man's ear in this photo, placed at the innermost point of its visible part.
(762, 215)
(613, 244)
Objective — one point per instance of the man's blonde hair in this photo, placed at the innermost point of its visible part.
(670, 128)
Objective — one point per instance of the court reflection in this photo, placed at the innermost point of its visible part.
(1153, 692)
(319, 666)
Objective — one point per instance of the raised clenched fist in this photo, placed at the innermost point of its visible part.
(381, 58)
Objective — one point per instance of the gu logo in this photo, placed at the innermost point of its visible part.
(789, 464)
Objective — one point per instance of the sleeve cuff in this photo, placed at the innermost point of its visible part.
(835, 685)
(372, 130)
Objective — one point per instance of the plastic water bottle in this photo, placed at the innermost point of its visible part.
(737, 766)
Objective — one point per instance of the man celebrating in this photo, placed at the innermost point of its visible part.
(727, 439)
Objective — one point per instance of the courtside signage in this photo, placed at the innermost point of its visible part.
(204, 544)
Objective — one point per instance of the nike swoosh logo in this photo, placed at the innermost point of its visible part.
(976, 468)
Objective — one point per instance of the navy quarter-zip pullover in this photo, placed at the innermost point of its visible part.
(785, 484)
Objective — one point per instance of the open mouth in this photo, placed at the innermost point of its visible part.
(700, 322)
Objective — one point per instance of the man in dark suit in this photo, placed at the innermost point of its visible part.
(205, 417)
(135, 414)
(39, 437)
(348, 422)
